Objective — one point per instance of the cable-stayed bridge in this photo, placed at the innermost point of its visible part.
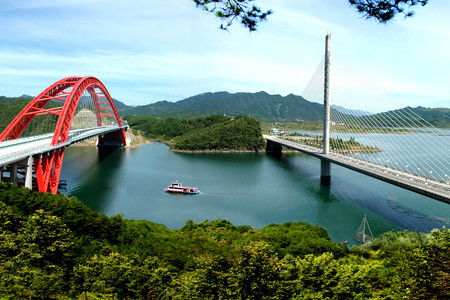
(432, 188)
(69, 111)
(396, 146)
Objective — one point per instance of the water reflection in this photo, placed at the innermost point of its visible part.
(97, 183)
(245, 188)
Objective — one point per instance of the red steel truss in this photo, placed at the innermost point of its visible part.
(47, 167)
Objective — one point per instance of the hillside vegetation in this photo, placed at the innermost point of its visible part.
(208, 133)
(261, 106)
(54, 247)
(427, 117)
(276, 108)
(10, 107)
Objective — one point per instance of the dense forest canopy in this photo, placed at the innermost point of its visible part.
(54, 247)
(261, 106)
(208, 133)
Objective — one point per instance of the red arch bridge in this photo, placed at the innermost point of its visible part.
(71, 110)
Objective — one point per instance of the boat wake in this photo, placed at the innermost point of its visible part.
(224, 194)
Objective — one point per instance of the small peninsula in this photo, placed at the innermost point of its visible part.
(212, 133)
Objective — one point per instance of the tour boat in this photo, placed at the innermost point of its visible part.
(177, 187)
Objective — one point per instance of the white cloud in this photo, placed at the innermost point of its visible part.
(147, 50)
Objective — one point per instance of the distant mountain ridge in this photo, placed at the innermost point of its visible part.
(261, 105)
(436, 117)
(353, 112)
(266, 107)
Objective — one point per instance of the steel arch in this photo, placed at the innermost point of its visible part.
(47, 167)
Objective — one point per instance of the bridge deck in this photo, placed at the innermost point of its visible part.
(430, 188)
(19, 149)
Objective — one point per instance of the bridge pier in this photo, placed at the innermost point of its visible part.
(325, 172)
(29, 173)
(13, 172)
(325, 165)
(273, 148)
(113, 139)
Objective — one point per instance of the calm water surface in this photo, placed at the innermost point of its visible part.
(245, 188)
(418, 152)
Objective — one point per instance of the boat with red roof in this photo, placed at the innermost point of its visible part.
(177, 187)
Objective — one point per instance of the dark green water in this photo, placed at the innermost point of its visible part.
(245, 188)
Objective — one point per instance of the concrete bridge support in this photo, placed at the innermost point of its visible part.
(113, 139)
(273, 148)
(325, 172)
(29, 173)
(13, 173)
(325, 167)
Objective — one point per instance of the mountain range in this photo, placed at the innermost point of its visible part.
(274, 108)
(260, 105)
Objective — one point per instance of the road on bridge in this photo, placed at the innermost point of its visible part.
(431, 188)
(19, 149)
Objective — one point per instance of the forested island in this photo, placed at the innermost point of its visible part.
(54, 247)
(212, 133)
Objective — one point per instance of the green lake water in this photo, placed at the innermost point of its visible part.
(245, 188)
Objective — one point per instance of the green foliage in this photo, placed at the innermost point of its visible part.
(11, 106)
(427, 117)
(324, 277)
(261, 106)
(385, 10)
(256, 271)
(416, 265)
(78, 217)
(240, 133)
(208, 133)
(166, 129)
(230, 10)
(336, 144)
(117, 275)
(35, 257)
(250, 15)
(298, 239)
(47, 251)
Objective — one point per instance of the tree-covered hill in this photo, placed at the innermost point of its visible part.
(207, 133)
(436, 117)
(54, 247)
(10, 107)
(273, 108)
(261, 106)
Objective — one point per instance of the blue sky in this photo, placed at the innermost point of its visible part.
(150, 50)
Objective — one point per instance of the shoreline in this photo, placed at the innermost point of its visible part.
(216, 151)
(134, 140)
